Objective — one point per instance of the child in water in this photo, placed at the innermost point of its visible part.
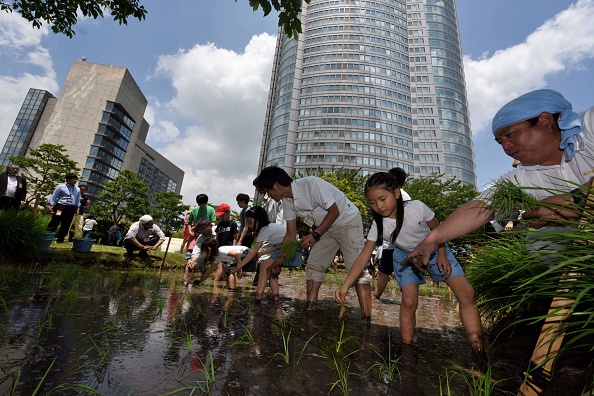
(391, 216)
(213, 255)
(269, 238)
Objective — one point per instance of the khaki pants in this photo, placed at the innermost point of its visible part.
(77, 221)
(349, 238)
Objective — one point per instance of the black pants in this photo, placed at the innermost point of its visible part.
(9, 203)
(63, 215)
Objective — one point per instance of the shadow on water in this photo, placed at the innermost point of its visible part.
(119, 333)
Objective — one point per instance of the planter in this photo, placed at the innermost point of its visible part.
(82, 245)
(46, 240)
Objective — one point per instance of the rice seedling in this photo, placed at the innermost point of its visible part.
(296, 361)
(246, 339)
(477, 384)
(45, 324)
(209, 375)
(286, 348)
(388, 366)
(189, 340)
(342, 339)
(103, 350)
(40, 381)
(80, 389)
(508, 197)
(342, 368)
(286, 255)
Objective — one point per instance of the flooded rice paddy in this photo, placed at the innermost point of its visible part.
(73, 331)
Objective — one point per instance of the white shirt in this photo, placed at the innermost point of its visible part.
(271, 235)
(11, 186)
(225, 250)
(414, 226)
(312, 197)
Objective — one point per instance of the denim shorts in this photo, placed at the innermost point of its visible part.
(409, 275)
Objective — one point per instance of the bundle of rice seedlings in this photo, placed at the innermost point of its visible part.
(287, 255)
(507, 197)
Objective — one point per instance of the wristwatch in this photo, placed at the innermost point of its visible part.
(579, 197)
(316, 235)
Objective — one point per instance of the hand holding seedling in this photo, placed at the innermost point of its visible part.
(340, 294)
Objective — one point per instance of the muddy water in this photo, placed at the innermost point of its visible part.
(135, 333)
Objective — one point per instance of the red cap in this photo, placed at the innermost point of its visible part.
(222, 209)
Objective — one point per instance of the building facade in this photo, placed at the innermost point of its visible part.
(371, 85)
(99, 119)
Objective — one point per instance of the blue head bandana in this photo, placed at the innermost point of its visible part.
(532, 104)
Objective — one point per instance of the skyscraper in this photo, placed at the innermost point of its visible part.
(99, 119)
(371, 85)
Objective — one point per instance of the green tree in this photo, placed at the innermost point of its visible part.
(62, 15)
(44, 168)
(288, 16)
(168, 211)
(443, 197)
(125, 197)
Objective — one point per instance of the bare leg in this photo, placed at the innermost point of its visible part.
(469, 313)
(263, 278)
(274, 288)
(380, 284)
(220, 274)
(408, 312)
(364, 296)
(313, 289)
(231, 281)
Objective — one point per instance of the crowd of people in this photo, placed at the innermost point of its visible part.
(554, 150)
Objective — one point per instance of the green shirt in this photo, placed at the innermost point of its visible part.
(208, 212)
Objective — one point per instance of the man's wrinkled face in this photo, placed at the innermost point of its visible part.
(531, 145)
(13, 170)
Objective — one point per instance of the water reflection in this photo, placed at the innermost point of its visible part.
(126, 333)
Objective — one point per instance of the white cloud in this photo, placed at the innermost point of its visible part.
(20, 47)
(219, 188)
(224, 94)
(559, 45)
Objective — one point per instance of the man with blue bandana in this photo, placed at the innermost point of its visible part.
(555, 147)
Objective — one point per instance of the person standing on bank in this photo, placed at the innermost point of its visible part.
(13, 188)
(144, 235)
(555, 147)
(335, 221)
(63, 205)
(78, 220)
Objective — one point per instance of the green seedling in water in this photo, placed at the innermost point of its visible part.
(189, 341)
(296, 361)
(209, 375)
(388, 365)
(477, 384)
(286, 354)
(342, 368)
(45, 324)
(103, 350)
(246, 339)
(342, 339)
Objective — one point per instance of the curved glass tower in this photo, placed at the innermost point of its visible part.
(370, 85)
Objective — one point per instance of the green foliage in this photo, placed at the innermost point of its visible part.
(20, 232)
(288, 16)
(44, 168)
(514, 277)
(125, 197)
(168, 210)
(443, 197)
(62, 15)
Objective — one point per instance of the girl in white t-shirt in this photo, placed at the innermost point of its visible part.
(406, 224)
(227, 256)
(269, 238)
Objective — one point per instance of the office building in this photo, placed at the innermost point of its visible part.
(371, 85)
(99, 119)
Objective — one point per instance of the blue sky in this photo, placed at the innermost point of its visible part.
(205, 68)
